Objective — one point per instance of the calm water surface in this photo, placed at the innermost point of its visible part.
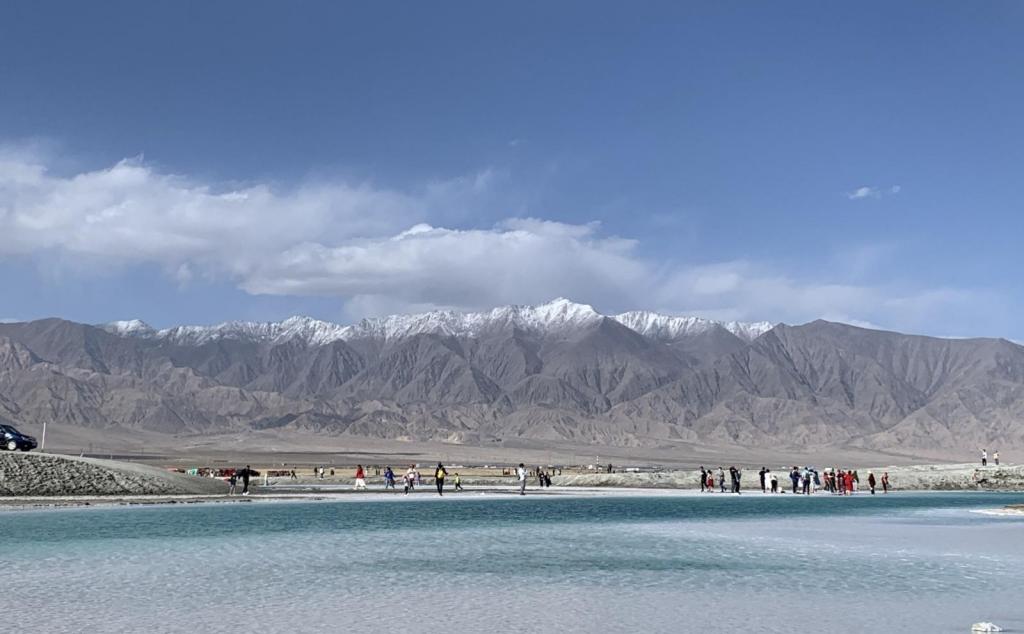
(897, 563)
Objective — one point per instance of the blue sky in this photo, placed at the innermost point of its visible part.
(784, 161)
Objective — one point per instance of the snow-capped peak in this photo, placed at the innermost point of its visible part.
(667, 327)
(312, 331)
(748, 330)
(556, 315)
(133, 327)
(663, 326)
(559, 312)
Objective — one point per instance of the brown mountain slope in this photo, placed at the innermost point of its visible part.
(598, 381)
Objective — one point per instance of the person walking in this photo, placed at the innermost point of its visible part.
(761, 474)
(703, 479)
(521, 474)
(775, 483)
(721, 479)
(984, 457)
(232, 482)
(389, 478)
(871, 482)
(409, 480)
(246, 474)
(794, 476)
(885, 482)
(360, 478)
(736, 477)
(439, 475)
(995, 457)
(458, 482)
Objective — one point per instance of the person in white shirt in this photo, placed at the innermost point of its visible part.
(521, 472)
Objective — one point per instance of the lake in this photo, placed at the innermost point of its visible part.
(906, 562)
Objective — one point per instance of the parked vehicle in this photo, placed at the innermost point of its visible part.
(12, 440)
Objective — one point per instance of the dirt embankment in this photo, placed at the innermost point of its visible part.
(35, 474)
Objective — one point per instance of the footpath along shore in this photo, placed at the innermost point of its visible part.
(31, 480)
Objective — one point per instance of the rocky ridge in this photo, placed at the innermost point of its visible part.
(560, 372)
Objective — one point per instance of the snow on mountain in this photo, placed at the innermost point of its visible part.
(554, 315)
(312, 331)
(559, 314)
(664, 327)
(130, 327)
(748, 331)
(668, 327)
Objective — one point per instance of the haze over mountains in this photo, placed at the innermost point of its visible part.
(560, 372)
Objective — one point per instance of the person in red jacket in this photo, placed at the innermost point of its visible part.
(849, 482)
(360, 477)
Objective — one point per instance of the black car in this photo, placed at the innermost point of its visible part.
(11, 439)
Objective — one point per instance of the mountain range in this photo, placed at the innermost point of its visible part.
(558, 372)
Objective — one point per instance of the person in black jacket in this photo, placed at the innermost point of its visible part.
(439, 475)
(246, 472)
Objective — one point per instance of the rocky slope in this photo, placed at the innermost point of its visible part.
(36, 474)
(558, 372)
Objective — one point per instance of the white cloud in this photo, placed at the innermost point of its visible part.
(518, 260)
(756, 292)
(872, 192)
(130, 213)
(863, 192)
(381, 250)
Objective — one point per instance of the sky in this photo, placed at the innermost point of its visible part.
(786, 161)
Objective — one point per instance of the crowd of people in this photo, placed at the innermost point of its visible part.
(803, 480)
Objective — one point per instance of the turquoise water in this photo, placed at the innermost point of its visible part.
(904, 562)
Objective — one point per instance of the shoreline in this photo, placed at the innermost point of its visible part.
(8, 504)
(53, 481)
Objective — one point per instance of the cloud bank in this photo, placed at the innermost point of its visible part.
(381, 250)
